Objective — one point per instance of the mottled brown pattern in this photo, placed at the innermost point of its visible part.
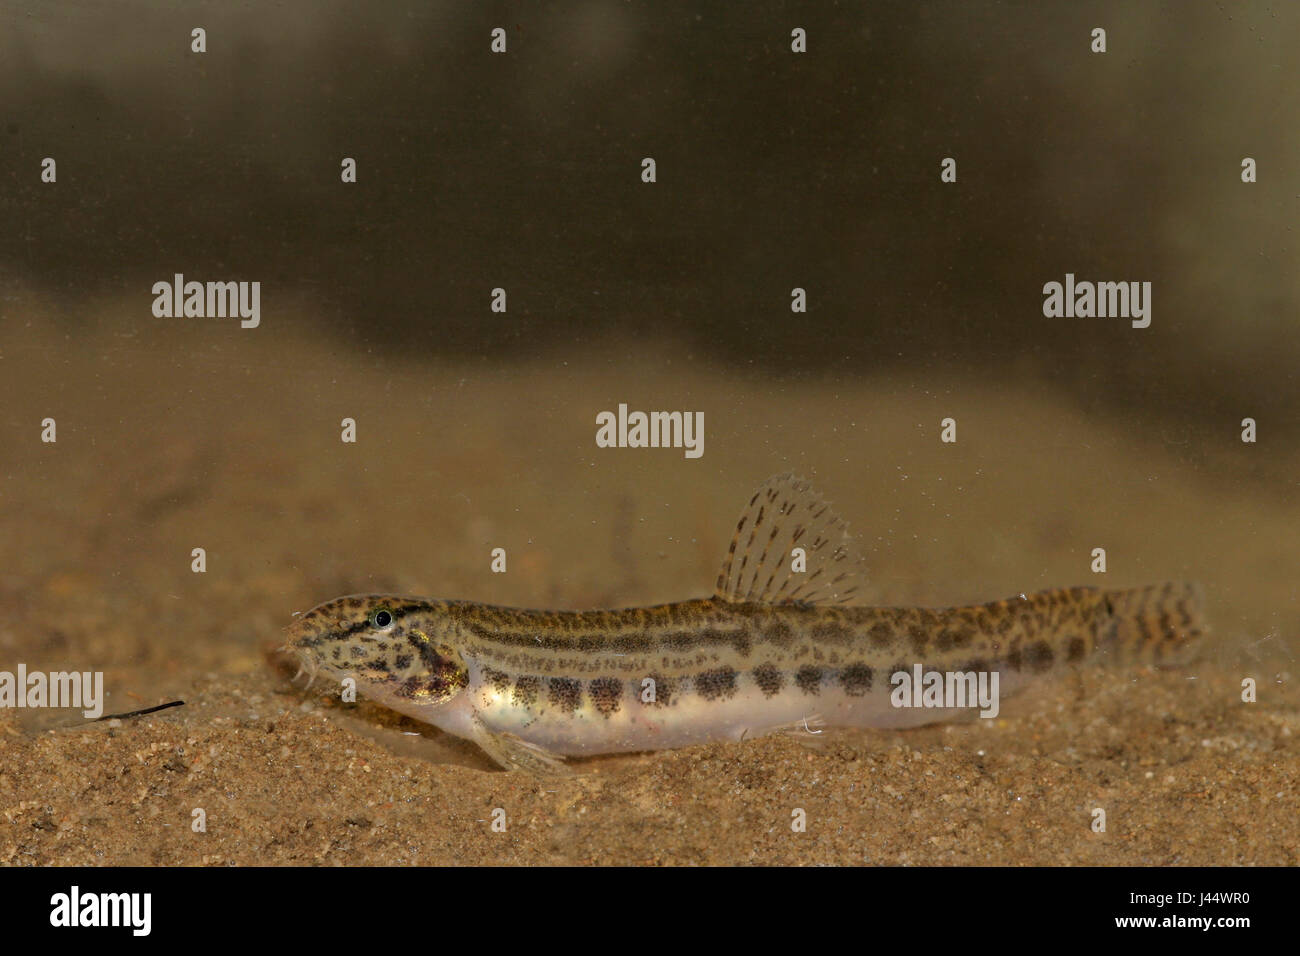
(809, 679)
(1039, 655)
(832, 632)
(856, 679)
(565, 693)
(665, 690)
(778, 633)
(526, 691)
(716, 684)
(918, 638)
(606, 695)
(769, 679)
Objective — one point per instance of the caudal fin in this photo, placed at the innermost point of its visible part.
(1161, 624)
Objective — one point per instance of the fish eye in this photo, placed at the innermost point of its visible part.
(381, 618)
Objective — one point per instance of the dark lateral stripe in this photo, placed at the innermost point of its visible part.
(640, 641)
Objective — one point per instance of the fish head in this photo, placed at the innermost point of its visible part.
(400, 651)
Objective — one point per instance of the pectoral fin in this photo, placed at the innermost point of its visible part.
(514, 753)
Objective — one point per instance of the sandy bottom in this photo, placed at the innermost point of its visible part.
(229, 441)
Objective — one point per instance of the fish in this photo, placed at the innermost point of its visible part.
(782, 646)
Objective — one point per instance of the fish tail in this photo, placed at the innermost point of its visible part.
(1161, 624)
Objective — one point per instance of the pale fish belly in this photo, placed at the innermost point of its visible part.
(617, 720)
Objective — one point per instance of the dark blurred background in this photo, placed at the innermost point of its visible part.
(775, 170)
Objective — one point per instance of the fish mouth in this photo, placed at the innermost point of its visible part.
(308, 664)
(302, 639)
(297, 648)
(286, 656)
(293, 652)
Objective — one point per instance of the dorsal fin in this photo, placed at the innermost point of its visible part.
(786, 513)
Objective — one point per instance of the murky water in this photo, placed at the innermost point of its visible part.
(799, 273)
